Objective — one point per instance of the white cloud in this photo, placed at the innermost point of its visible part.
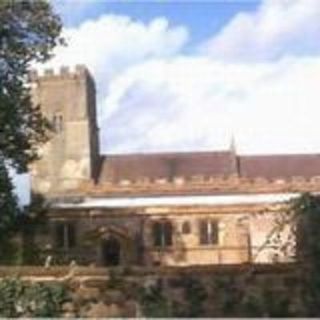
(197, 103)
(277, 28)
(111, 43)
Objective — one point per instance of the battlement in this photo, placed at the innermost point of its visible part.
(199, 185)
(63, 72)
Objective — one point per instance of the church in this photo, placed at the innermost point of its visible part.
(156, 209)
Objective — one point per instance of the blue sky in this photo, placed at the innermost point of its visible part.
(202, 17)
(178, 76)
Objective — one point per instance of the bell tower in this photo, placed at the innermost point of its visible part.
(71, 156)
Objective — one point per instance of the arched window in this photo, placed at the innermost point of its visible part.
(162, 233)
(186, 228)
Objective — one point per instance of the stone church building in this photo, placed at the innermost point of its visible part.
(176, 209)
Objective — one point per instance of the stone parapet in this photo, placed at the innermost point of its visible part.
(199, 185)
(53, 74)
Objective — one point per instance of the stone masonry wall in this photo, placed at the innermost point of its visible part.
(242, 231)
(233, 291)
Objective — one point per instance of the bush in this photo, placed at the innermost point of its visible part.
(153, 301)
(26, 299)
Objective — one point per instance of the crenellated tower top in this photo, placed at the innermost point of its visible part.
(68, 100)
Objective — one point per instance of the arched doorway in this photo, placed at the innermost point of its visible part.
(111, 252)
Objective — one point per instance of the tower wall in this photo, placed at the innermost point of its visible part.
(71, 155)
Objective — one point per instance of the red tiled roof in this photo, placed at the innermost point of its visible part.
(280, 166)
(167, 165)
(220, 163)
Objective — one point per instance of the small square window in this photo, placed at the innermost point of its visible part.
(208, 232)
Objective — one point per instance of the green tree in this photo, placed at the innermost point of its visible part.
(303, 216)
(29, 30)
(31, 222)
(8, 212)
(307, 208)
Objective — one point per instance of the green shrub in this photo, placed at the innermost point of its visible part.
(22, 299)
(194, 296)
(153, 302)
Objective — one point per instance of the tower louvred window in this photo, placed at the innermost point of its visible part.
(57, 123)
(60, 123)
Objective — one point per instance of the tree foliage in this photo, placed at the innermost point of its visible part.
(307, 208)
(8, 212)
(31, 222)
(303, 218)
(29, 30)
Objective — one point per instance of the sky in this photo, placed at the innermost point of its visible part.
(190, 75)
